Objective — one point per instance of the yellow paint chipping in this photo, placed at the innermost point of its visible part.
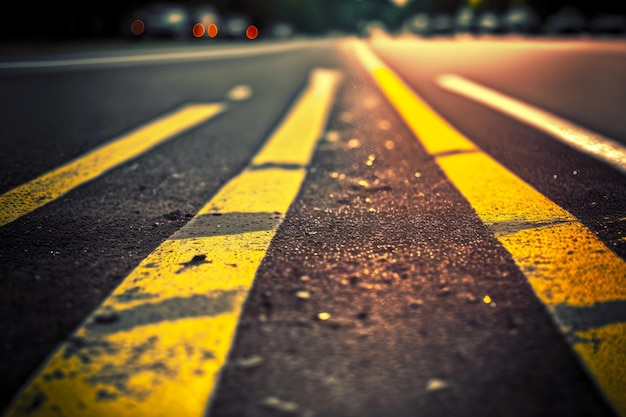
(604, 350)
(50, 186)
(156, 345)
(156, 370)
(565, 263)
(497, 195)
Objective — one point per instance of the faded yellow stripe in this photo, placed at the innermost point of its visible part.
(567, 264)
(256, 185)
(564, 261)
(156, 345)
(420, 118)
(523, 204)
(42, 190)
(606, 360)
(295, 140)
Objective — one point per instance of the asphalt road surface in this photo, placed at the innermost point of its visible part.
(330, 227)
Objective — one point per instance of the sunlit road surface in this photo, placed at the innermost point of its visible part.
(335, 227)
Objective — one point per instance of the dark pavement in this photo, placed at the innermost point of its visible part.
(401, 265)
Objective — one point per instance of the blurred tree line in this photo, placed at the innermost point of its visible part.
(100, 18)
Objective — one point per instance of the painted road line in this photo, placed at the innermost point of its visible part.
(156, 345)
(572, 272)
(50, 186)
(196, 55)
(584, 140)
(506, 44)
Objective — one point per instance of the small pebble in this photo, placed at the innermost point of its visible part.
(354, 143)
(332, 136)
(280, 405)
(434, 384)
(323, 316)
(304, 295)
(249, 362)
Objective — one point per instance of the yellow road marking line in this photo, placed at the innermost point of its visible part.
(584, 140)
(47, 187)
(606, 359)
(156, 346)
(564, 262)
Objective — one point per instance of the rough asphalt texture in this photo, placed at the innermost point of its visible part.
(402, 267)
(400, 262)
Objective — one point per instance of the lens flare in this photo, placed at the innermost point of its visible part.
(137, 27)
(252, 32)
(198, 30)
(212, 30)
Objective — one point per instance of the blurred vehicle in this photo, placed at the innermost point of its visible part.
(608, 24)
(465, 20)
(489, 23)
(521, 19)
(160, 20)
(281, 30)
(442, 24)
(234, 26)
(418, 24)
(567, 21)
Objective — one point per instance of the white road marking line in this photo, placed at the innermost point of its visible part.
(166, 56)
(584, 140)
(489, 43)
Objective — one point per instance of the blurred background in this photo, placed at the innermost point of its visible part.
(98, 19)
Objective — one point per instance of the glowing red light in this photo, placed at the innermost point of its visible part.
(212, 30)
(252, 32)
(198, 30)
(137, 27)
